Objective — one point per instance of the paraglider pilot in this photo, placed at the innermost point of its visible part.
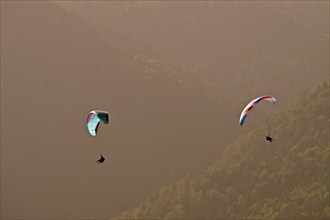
(269, 138)
(101, 160)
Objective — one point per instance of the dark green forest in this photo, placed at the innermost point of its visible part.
(255, 179)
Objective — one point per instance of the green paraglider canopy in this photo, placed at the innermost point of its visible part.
(93, 120)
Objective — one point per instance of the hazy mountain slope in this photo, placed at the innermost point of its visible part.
(206, 27)
(53, 72)
(286, 179)
(278, 48)
(229, 37)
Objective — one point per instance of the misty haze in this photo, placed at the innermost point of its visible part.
(151, 110)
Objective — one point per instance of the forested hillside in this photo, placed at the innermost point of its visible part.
(285, 179)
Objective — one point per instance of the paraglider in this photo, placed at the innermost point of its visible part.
(250, 106)
(93, 120)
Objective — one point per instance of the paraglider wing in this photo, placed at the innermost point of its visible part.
(250, 106)
(93, 120)
(103, 116)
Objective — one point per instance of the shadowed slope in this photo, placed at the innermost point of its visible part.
(286, 179)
